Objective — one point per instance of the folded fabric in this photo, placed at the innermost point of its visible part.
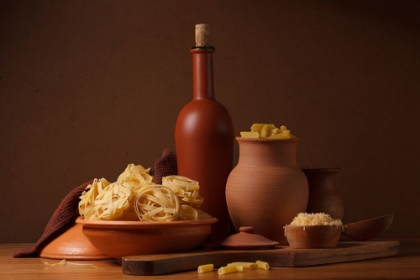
(67, 211)
(164, 166)
(63, 215)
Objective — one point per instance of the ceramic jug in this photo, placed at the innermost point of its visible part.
(266, 189)
(323, 195)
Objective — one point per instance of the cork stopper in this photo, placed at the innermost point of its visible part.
(202, 35)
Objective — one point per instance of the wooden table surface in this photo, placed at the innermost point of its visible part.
(406, 265)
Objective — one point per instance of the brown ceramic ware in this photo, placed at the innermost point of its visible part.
(310, 237)
(267, 189)
(369, 228)
(72, 245)
(204, 137)
(127, 238)
(246, 239)
(323, 195)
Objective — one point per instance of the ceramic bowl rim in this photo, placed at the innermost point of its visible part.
(314, 226)
(143, 225)
(293, 226)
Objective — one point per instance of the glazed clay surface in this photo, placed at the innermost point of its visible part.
(204, 141)
(267, 189)
(129, 238)
(369, 228)
(72, 245)
(307, 237)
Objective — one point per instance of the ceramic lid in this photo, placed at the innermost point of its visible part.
(246, 240)
(72, 244)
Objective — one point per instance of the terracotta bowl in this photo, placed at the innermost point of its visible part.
(128, 238)
(308, 237)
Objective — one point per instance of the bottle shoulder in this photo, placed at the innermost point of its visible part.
(211, 116)
(205, 106)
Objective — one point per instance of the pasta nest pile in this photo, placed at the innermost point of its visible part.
(134, 196)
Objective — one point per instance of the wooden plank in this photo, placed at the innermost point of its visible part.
(345, 252)
(279, 257)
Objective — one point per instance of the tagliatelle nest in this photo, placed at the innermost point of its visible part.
(130, 169)
(134, 196)
(137, 176)
(87, 200)
(157, 203)
(185, 188)
(190, 213)
(111, 203)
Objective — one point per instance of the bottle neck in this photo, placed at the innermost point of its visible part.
(202, 58)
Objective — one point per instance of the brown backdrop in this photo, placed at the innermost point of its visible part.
(87, 87)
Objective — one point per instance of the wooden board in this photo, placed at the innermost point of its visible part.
(282, 256)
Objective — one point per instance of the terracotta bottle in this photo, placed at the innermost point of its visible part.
(204, 137)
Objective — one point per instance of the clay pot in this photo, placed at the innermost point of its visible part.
(323, 195)
(266, 189)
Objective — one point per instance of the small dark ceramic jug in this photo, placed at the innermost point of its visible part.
(323, 195)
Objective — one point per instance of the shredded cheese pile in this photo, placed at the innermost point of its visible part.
(314, 219)
(134, 196)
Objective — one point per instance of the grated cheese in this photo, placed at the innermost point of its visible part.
(315, 219)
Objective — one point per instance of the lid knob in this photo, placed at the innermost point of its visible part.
(246, 229)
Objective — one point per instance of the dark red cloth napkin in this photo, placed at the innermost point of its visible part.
(67, 211)
(63, 215)
(164, 166)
